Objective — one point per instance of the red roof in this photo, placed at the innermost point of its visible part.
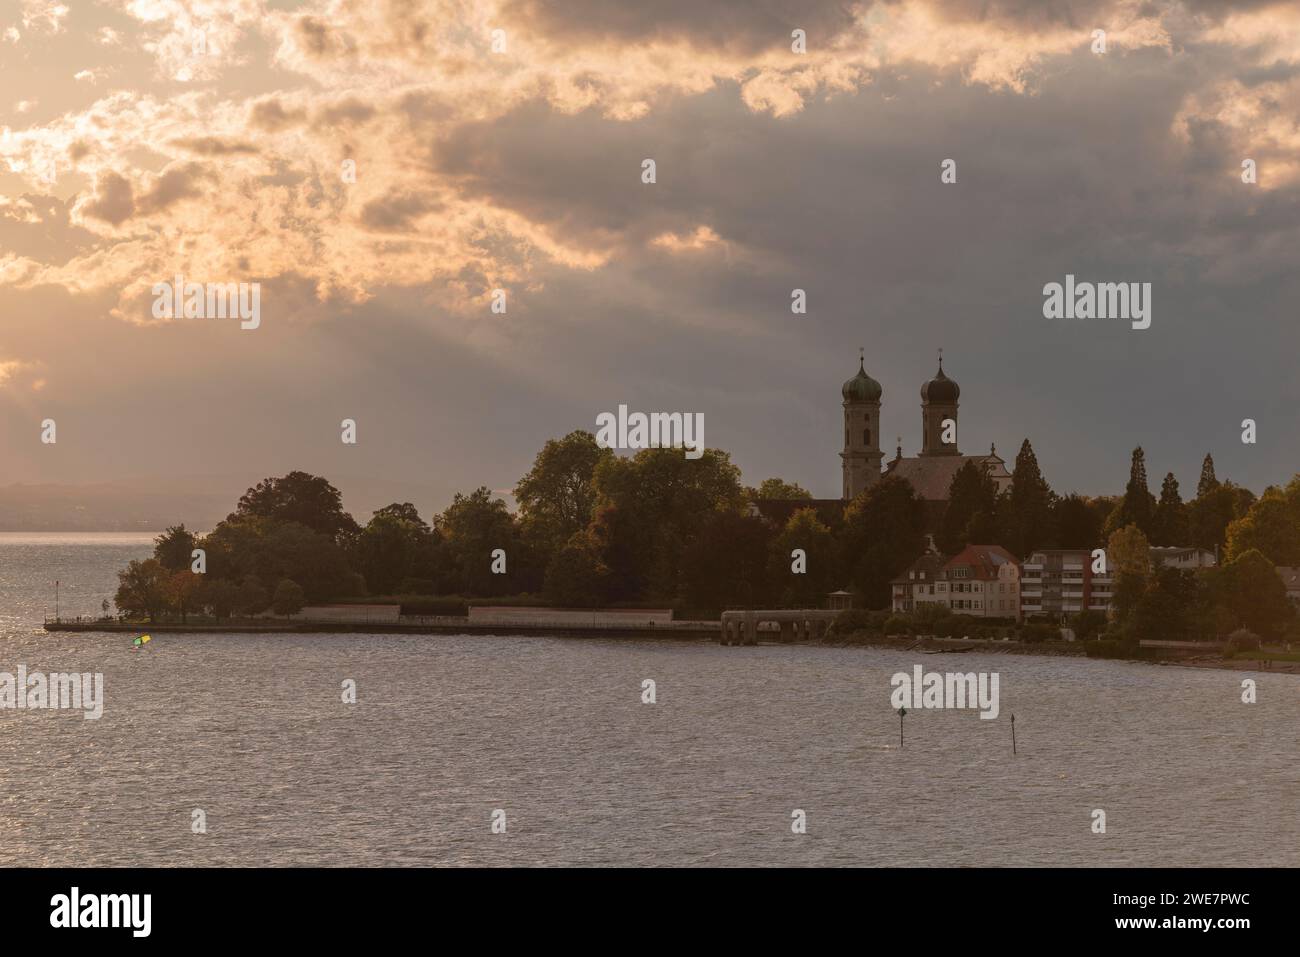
(983, 560)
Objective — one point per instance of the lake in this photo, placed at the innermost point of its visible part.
(252, 731)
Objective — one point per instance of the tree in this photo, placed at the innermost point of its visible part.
(1128, 557)
(1170, 606)
(1210, 514)
(1271, 526)
(972, 504)
(253, 597)
(220, 597)
(473, 526)
(1249, 587)
(182, 591)
(308, 500)
(577, 576)
(270, 550)
(289, 598)
(1138, 505)
(1028, 506)
(174, 549)
(557, 497)
(804, 530)
(725, 565)
(651, 507)
(1078, 524)
(1169, 523)
(388, 547)
(883, 533)
(142, 589)
(776, 488)
(1207, 482)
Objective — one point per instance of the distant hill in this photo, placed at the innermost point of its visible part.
(199, 502)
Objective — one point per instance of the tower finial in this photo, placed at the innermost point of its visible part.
(898, 451)
(862, 358)
(941, 358)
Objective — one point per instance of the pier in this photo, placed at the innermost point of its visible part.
(794, 624)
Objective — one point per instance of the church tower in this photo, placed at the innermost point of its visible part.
(861, 456)
(939, 403)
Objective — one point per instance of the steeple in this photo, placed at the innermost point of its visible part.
(860, 460)
(939, 414)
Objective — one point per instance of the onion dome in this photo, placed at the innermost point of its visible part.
(861, 388)
(940, 389)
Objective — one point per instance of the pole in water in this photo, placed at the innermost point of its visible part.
(901, 712)
(1013, 734)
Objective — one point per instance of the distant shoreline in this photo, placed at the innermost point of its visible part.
(686, 631)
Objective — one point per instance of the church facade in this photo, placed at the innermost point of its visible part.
(931, 471)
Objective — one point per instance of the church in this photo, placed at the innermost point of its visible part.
(930, 472)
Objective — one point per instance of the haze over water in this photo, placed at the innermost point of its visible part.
(252, 730)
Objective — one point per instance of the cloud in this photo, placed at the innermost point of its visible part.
(113, 201)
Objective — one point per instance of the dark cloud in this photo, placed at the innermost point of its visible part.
(114, 200)
(394, 212)
(175, 184)
(741, 25)
(270, 115)
(212, 146)
(845, 201)
(348, 112)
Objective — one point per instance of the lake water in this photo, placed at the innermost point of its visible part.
(253, 731)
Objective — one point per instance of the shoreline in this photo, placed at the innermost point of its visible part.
(687, 631)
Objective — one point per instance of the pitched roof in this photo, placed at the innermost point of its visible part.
(931, 476)
(931, 563)
(985, 560)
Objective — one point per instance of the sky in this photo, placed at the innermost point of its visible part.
(141, 139)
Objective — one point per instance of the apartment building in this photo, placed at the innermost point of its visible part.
(1057, 583)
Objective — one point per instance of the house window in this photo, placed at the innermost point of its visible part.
(866, 436)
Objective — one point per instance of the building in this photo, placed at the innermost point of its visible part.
(1164, 556)
(981, 580)
(930, 473)
(1056, 583)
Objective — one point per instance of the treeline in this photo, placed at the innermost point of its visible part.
(596, 529)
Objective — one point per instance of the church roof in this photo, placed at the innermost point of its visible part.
(931, 476)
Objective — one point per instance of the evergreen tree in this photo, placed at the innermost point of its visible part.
(883, 533)
(1169, 525)
(1208, 481)
(1077, 523)
(972, 493)
(1028, 513)
(1138, 505)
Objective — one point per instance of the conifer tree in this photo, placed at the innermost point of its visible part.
(1208, 482)
(1028, 506)
(1169, 523)
(1138, 505)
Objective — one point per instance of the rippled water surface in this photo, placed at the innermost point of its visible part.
(252, 730)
